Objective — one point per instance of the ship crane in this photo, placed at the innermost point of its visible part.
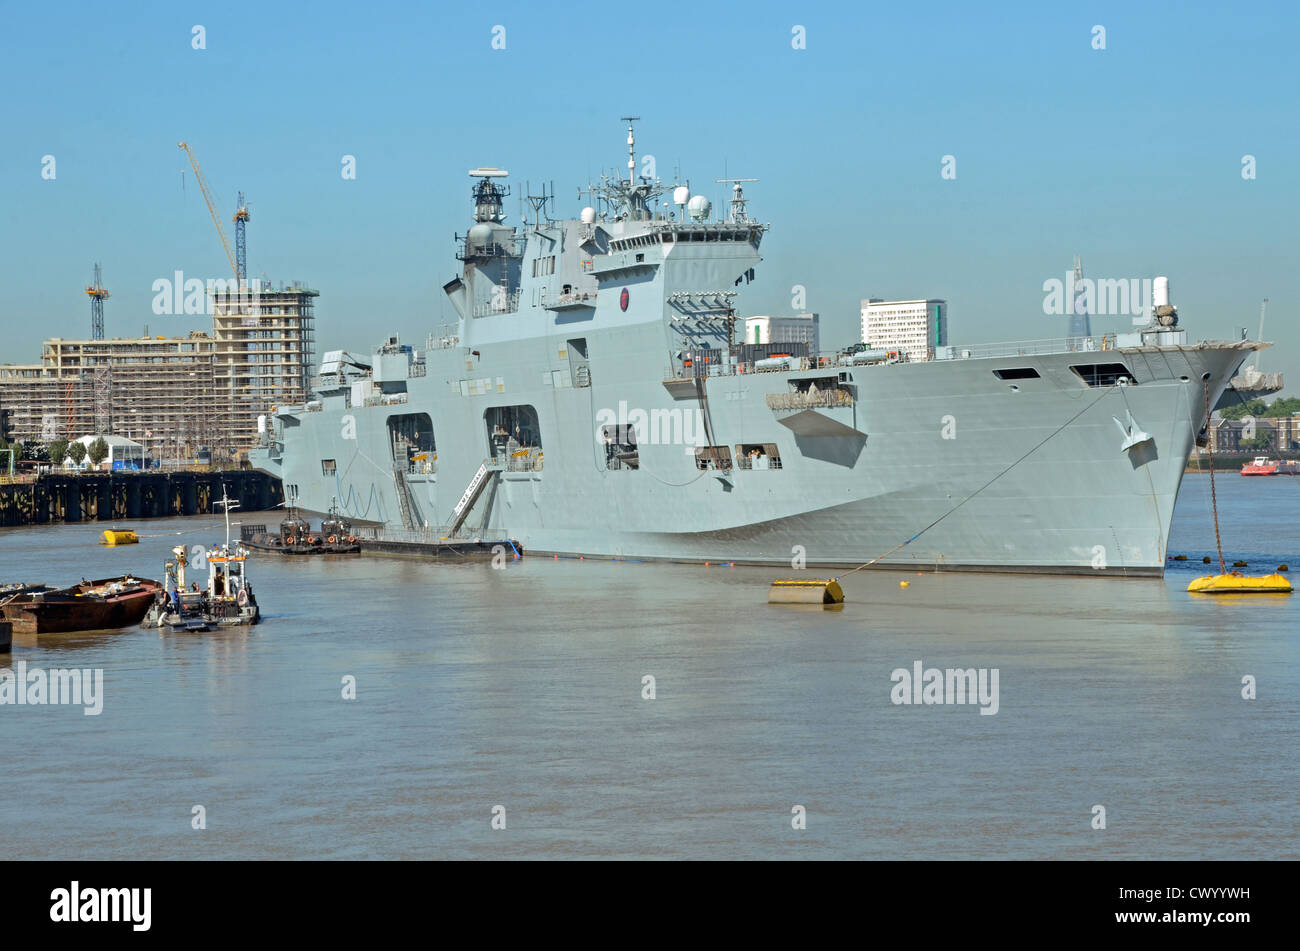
(212, 209)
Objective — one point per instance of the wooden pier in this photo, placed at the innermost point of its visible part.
(122, 496)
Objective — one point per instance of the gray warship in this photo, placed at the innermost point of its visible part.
(593, 400)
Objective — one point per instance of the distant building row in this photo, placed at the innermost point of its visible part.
(1229, 435)
(917, 327)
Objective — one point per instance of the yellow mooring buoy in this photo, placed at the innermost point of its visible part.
(809, 591)
(1231, 582)
(125, 536)
(1237, 583)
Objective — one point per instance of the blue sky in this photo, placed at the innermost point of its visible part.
(1130, 156)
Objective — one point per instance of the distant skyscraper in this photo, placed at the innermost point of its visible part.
(1080, 325)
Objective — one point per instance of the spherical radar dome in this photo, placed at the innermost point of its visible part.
(699, 207)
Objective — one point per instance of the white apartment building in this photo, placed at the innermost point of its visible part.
(801, 328)
(914, 326)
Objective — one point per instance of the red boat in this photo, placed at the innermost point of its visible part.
(88, 606)
(1260, 467)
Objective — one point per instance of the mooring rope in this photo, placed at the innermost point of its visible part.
(1214, 500)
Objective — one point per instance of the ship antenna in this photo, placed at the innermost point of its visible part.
(631, 148)
(226, 502)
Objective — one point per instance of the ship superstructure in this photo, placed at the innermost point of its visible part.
(594, 399)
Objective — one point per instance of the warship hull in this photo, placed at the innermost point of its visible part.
(1030, 476)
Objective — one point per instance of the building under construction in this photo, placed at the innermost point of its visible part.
(264, 345)
(175, 395)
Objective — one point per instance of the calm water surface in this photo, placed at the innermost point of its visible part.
(522, 687)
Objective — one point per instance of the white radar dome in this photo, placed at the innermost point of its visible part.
(588, 215)
(481, 233)
(1160, 292)
(699, 207)
(681, 195)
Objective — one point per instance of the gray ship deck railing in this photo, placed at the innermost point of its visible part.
(523, 463)
(677, 372)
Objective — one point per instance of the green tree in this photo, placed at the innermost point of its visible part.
(1284, 407)
(77, 450)
(1262, 410)
(1244, 409)
(56, 449)
(1261, 440)
(98, 451)
(35, 450)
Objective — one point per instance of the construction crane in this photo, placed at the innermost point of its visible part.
(241, 244)
(98, 294)
(212, 209)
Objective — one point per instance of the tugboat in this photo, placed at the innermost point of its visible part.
(87, 606)
(297, 538)
(228, 599)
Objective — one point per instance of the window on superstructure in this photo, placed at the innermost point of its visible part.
(758, 456)
(619, 443)
(1103, 374)
(514, 436)
(328, 467)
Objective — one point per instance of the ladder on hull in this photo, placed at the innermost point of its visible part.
(404, 505)
(486, 474)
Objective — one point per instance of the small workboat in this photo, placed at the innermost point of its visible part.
(1262, 466)
(88, 606)
(226, 601)
(298, 538)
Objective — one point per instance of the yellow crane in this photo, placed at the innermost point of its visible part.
(212, 208)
